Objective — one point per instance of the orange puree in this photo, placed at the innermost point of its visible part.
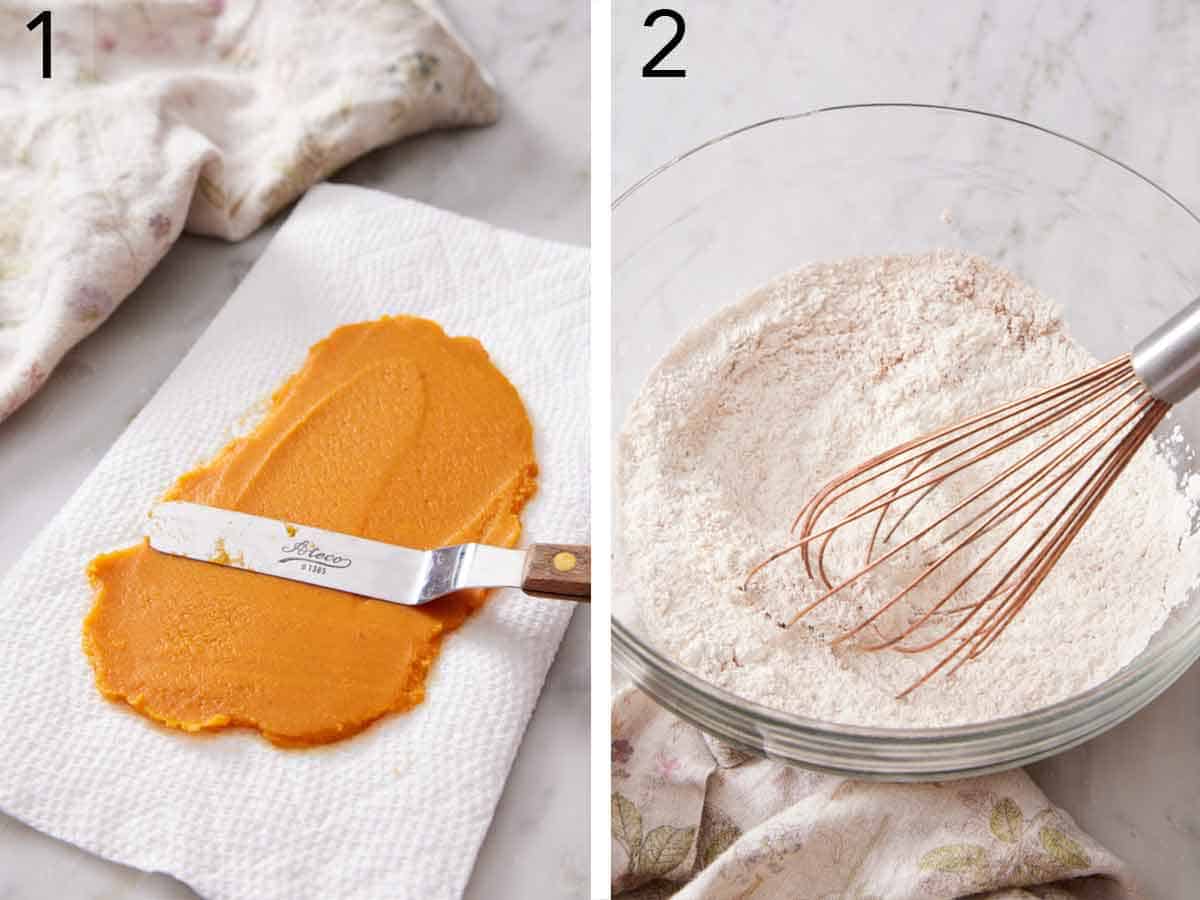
(391, 431)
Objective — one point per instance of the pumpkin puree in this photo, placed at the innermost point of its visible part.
(392, 431)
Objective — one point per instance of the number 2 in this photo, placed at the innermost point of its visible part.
(42, 20)
(650, 69)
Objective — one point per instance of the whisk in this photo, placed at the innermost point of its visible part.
(1023, 480)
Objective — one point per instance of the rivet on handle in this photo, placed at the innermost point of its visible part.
(558, 570)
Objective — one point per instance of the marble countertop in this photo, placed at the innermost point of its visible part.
(529, 172)
(1118, 76)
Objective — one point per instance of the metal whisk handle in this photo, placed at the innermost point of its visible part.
(1168, 359)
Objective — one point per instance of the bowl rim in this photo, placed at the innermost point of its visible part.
(1059, 716)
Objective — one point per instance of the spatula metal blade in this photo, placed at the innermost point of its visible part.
(300, 553)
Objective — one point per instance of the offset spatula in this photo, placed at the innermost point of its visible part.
(370, 568)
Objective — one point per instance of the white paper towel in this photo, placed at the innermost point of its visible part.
(400, 810)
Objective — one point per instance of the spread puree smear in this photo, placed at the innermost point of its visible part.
(391, 431)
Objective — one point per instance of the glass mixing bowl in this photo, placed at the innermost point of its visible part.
(1117, 251)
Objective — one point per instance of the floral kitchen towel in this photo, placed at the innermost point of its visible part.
(204, 115)
(692, 819)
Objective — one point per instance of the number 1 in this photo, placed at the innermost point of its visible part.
(43, 19)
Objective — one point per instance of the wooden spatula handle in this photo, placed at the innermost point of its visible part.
(559, 570)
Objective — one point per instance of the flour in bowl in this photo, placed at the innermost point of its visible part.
(821, 369)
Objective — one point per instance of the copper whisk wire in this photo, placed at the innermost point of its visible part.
(1084, 432)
